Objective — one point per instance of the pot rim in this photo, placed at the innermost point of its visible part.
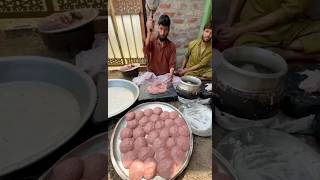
(193, 79)
(281, 62)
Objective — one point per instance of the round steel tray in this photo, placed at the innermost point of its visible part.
(115, 153)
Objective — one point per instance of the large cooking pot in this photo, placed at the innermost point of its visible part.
(43, 103)
(249, 82)
(189, 87)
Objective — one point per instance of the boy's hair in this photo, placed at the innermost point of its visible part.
(208, 25)
(164, 20)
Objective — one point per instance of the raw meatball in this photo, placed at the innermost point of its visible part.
(138, 132)
(183, 131)
(157, 110)
(132, 124)
(162, 153)
(143, 121)
(136, 170)
(154, 117)
(179, 121)
(95, 166)
(149, 127)
(159, 125)
(168, 123)
(145, 152)
(170, 142)
(173, 115)
(126, 145)
(150, 168)
(152, 136)
(139, 115)
(126, 133)
(69, 169)
(178, 155)
(158, 143)
(130, 116)
(164, 115)
(174, 131)
(128, 158)
(164, 133)
(148, 112)
(139, 143)
(183, 143)
(165, 168)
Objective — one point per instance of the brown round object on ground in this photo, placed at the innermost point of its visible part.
(150, 168)
(145, 152)
(178, 155)
(183, 131)
(170, 142)
(130, 116)
(179, 121)
(139, 143)
(183, 143)
(136, 170)
(69, 169)
(165, 168)
(95, 166)
(138, 132)
(138, 115)
(126, 133)
(149, 127)
(132, 124)
(128, 158)
(157, 110)
(174, 131)
(164, 115)
(164, 133)
(162, 153)
(152, 136)
(126, 145)
(173, 115)
(143, 121)
(159, 125)
(154, 118)
(158, 143)
(168, 123)
(148, 112)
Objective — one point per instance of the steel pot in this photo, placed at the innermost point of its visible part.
(252, 93)
(189, 87)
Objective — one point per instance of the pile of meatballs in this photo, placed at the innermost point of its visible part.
(154, 143)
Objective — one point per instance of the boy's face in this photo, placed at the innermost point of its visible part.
(163, 32)
(207, 35)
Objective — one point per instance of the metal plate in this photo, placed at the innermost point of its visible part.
(124, 84)
(96, 144)
(273, 155)
(115, 153)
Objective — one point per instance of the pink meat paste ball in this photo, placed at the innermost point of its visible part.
(179, 121)
(171, 142)
(183, 131)
(149, 127)
(150, 168)
(145, 152)
(139, 115)
(164, 115)
(132, 124)
(139, 143)
(128, 158)
(174, 131)
(168, 123)
(158, 143)
(130, 116)
(178, 155)
(164, 133)
(138, 132)
(159, 125)
(154, 118)
(136, 170)
(126, 133)
(162, 153)
(143, 121)
(126, 145)
(157, 110)
(165, 168)
(148, 112)
(173, 115)
(152, 136)
(183, 143)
